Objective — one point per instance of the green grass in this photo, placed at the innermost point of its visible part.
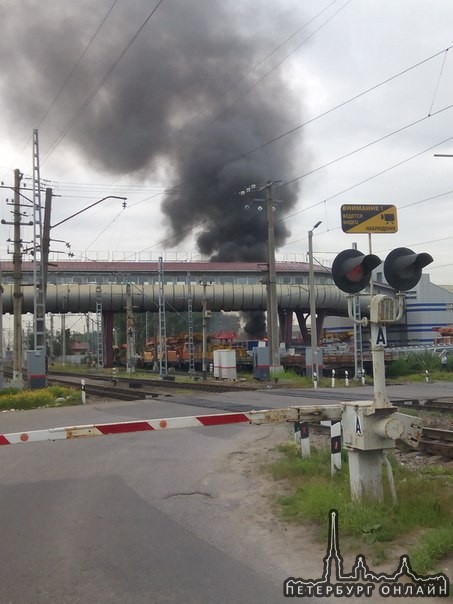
(424, 511)
(432, 547)
(54, 396)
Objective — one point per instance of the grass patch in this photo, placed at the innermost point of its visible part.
(53, 396)
(433, 546)
(424, 512)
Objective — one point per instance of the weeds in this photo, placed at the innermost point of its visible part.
(424, 509)
(54, 396)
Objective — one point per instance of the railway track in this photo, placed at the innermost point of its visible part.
(434, 441)
(166, 384)
(148, 386)
(110, 392)
(437, 441)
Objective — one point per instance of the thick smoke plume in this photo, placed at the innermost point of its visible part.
(184, 104)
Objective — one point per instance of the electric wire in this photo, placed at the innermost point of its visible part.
(380, 173)
(67, 79)
(400, 208)
(276, 66)
(96, 89)
(438, 81)
(367, 145)
(254, 68)
(340, 105)
(220, 115)
(325, 113)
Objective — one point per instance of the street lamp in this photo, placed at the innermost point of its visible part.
(314, 330)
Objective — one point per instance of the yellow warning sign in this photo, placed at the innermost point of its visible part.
(369, 219)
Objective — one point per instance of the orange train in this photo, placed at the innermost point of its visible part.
(178, 353)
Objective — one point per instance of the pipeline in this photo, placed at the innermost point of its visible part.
(79, 298)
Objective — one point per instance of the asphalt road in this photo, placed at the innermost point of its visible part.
(126, 519)
(140, 518)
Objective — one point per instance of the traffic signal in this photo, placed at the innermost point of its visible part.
(403, 268)
(351, 270)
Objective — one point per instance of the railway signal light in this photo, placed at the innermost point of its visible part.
(351, 270)
(403, 268)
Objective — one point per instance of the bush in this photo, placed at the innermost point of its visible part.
(415, 362)
(54, 396)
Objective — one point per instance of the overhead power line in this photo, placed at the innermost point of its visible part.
(96, 89)
(67, 79)
(365, 180)
(340, 105)
(367, 145)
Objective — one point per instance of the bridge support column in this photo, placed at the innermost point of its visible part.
(319, 324)
(285, 316)
(302, 320)
(107, 329)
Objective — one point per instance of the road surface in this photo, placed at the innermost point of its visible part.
(149, 517)
(139, 518)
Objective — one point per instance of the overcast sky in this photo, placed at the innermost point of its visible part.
(177, 109)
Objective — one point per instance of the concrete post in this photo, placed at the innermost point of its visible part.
(365, 472)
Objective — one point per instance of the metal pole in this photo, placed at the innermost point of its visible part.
(377, 353)
(63, 338)
(1, 333)
(163, 365)
(130, 331)
(314, 326)
(190, 327)
(52, 349)
(272, 311)
(39, 315)
(17, 381)
(204, 329)
(357, 329)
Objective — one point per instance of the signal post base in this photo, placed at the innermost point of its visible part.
(365, 475)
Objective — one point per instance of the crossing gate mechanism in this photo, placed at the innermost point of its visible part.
(267, 416)
(407, 430)
(367, 431)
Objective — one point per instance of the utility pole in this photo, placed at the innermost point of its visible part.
(271, 286)
(358, 341)
(314, 323)
(130, 333)
(272, 310)
(99, 329)
(17, 381)
(51, 343)
(63, 338)
(163, 365)
(46, 238)
(39, 330)
(190, 327)
(1, 333)
(206, 315)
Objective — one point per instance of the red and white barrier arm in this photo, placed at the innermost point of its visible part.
(268, 416)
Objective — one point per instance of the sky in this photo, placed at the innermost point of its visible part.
(179, 105)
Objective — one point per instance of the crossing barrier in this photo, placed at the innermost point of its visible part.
(267, 416)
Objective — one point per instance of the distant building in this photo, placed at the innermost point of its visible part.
(427, 307)
(79, 347)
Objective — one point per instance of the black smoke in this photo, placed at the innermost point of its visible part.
(184, 104)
